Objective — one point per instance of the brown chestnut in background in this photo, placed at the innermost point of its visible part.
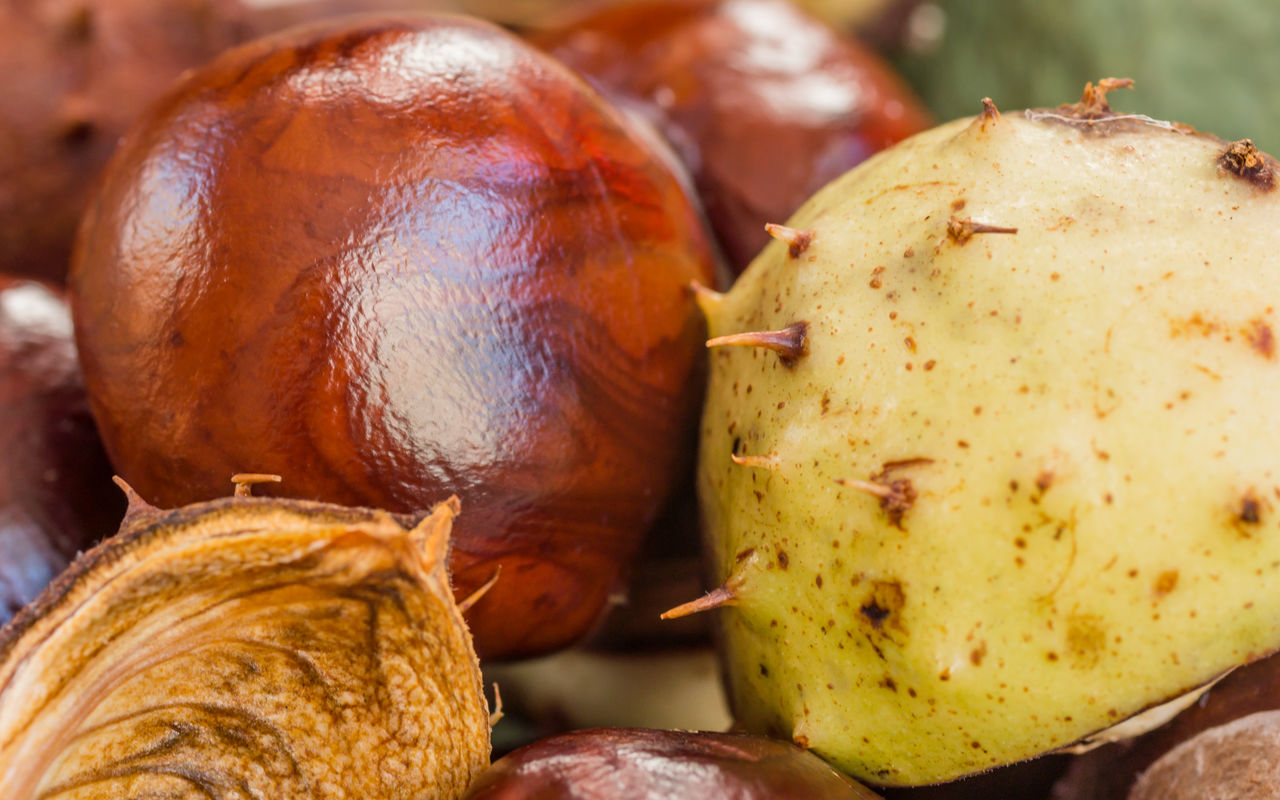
(392, 259)
(1112, 771)
(56, 495)
(279, 14)
(1025, 780)
(276, 15)
(76, 73)
(643, 764)
(763, 103)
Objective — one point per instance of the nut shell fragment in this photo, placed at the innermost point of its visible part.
(246, 647)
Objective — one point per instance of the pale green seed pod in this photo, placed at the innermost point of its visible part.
(1008, 471)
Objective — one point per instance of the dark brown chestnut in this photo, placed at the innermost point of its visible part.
(1025, 780)
(276, 16)
(76, 74)
(763, 103)
(1111, 772)
(395, 258)
(56, 495)
(644, 764)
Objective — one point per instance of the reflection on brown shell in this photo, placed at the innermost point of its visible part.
(56, 497)
(763, 103)
(396, 258)
(246, 647)
(76, 74)
(643, 764)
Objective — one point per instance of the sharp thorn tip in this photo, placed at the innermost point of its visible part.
(720, 596)
(475, 596)
(790, 343)
(797, 240)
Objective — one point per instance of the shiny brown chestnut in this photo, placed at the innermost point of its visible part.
(763, 103)
(56, 495)
(645, 764)
(76, 74)
(396, 258)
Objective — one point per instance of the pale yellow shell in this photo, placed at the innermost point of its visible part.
(1022, 485)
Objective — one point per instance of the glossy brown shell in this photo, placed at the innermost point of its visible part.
(77, 72)
(395, 258)
(56, 495)
(642, 764)
(763, 103)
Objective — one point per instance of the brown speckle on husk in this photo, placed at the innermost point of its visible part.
(247, 647)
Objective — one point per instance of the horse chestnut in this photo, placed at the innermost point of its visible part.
(56, 495)
(394, 258)
(643, 764)
(76, 74)
(763, 103)
(1113, 771)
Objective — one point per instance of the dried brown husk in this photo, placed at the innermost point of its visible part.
(246, 648)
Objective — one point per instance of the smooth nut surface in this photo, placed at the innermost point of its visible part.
(77, 73)
(394, 258)
(643, 764)
(56, 496)
(763, 103)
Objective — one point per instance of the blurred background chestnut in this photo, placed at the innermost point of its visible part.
(392, 259)
(1111, 771)
(642, 764)
(56, 495)
(763, 103)
(76, 73)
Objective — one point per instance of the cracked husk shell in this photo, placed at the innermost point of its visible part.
(1017, 481)
(246, 647)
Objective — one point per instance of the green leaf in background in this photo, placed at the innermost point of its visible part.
(1213, 64)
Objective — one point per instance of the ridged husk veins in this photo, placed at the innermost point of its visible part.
(246, 647)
